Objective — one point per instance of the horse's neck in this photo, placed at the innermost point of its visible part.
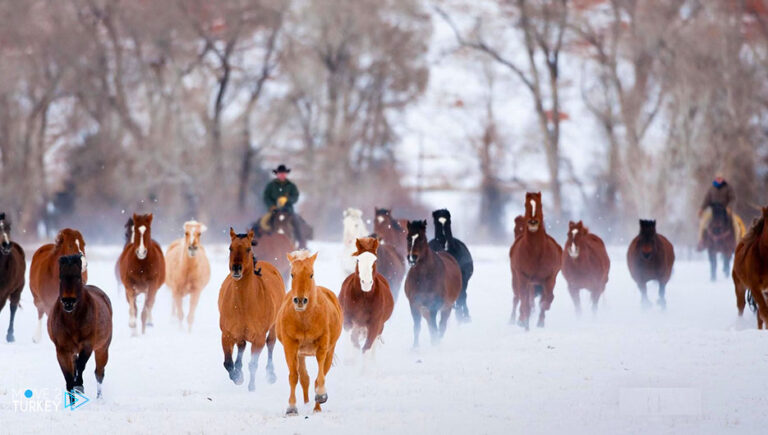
(247, 288)
(763, 243)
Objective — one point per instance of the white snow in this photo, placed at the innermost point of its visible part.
(696, 368)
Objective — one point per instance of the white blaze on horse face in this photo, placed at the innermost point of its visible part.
(6, 240)
(365, 263)
(413, 243)
(442, 220)
(282, 217)
(573, 250)
(533, 207)
(84, 265)
(380, 219)
(141, 253)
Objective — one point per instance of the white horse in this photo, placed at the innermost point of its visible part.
(354, 227)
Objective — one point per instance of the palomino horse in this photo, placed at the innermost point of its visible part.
(248, 302)
(650, 258)
(79, 324)
(12, 267)
(187, 270)
(44, 272)
(444, 241)
(391, 266)
(308, 324)
(535, 260)
(720, 238)
(365, 297)
(354, 228)
(749, 270)
(142, 270)
(390, 230)
(432, 285)
(585, 264)
(282, 222)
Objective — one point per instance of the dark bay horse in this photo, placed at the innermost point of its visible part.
(391, 266)
(750, 271)
(650, 257)
(534, 260)
(12, 268)
(284, 221)
(444, 241)
(80, 324)
(585, 264)
(719, 238)
(390, 230)
(432, 285)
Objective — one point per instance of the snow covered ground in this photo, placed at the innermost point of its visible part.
(696, 368)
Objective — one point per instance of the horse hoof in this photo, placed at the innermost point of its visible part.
(271, 377)
(150, 324)
(237, 376)
(79, 389)
(291, 411)
(9, 338)
(662, 303)
(251, 387)
(540, 324)
(321, 398)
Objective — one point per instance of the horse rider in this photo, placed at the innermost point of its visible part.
(282, 193)
(719, 193)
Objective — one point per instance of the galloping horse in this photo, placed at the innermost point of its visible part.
(365, 297)
(142, 270)
(535, 260)
(650, 257)
(519, 226)
(44, 272)
(308, 324)
(12, 267)
(444, 241)
(749, 270)
(390, 230)
(720, 237)
(187, 270)
(391, 266)
(248, 302)
(271, 246)
(585, 264)
(432, 285)
(79, 324)
(354, 228)
(281, 221)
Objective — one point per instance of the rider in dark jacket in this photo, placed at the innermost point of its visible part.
(719, 193)
(282, 193)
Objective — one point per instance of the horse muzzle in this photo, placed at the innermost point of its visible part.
(192, 251)
(237, 272)
(5, 248)
(141, 254)
(68, 304)
(573, 252)
(412, 259)
(366, 286)
(533, 225)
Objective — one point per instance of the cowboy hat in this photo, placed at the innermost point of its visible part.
(281, 168)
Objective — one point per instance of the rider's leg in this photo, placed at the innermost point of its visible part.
(706, 216)
(296, 222)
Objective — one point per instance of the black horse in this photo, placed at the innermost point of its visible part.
(444, 241)
(720, 238)
(12, 268)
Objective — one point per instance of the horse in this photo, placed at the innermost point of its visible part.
(749, 272)
(650, 258)
(79, 324)
(128, 239)
(187, 270)
(390, 230)
(534, 259)
(44, 272)
(519, 226)
(720, 238)
(308, 323)
(248, 302)
(585, 264)
(12, 268)
(142, 270)
(444, 241)
(365, 298)
(354, 228)
(282, 220)
(432, 285)
(390, 265)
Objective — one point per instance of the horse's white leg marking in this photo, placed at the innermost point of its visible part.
(38, 331)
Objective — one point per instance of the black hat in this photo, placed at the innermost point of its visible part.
(280, 169)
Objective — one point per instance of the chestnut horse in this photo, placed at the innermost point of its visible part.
(720, 238)
(44, 272)
(432, 285)
(272, 248)
(585, 264)
(749, 270)
(391, 266)
(519, 226)
(390, 230)
(187, 270)
(308, 323)
(365, 297)
(354, 228)
(282, 221)
(79, 324)
(142, 270)
(535, 260)
(444, 241)
(248, 302)
(650, 258)
(12, 268)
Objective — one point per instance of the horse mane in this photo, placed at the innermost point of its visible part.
(128, 230)
(241, 236)
(301, 254)
(754, 231)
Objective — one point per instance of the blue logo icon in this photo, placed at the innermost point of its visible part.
(28, 394)
(74, 399)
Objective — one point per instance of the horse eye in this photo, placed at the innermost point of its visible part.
(311, 276)
(291, 275)
(230, 249)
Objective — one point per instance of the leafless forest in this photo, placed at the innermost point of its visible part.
(182, 107)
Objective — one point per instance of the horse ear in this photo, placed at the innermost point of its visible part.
(289, 257)
(150, 217)
(203, 228)
(250, 234)
(359, 247)
(375, 245)
(312, 259)
(59, 240)
(232, 233)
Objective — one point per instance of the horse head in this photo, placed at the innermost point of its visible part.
(519, 226)
(367, 247)
(442, 221)
(142, 231)
(647, 242)
(192, 232)
(417, 240)
(576, 232)
(354, 225)
(5, 235)
(534, 215)
(70, 281)
(71, 242)
(302, 279)
(241, 261)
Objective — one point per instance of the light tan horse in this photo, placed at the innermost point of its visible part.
(187, 270)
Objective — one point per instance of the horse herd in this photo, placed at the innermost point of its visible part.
(255, 308)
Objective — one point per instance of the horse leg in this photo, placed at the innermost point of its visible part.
(15, 296)
(726, 264)
(515, 300)
(321, 395)
(762, 308)
(576, 298)
(194, 298)
(644, 294)
(238, 370)
(253, 364)
(445, 313)
(662, 292)
(432, 323)
(416, 314)
(545, 303)
(178, 308)
(39, 331)
(227, 343)
(741, 292)
(293, 361)
(595, 294)
(130, 295)
(146, 312)
(462, 312)
(304, 379)
(526, 304)
(82, 360)
(712, 265)
(271, 337)
(101, 355)
(67, 364)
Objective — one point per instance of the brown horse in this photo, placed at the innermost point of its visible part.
(585, 264)
(750, 272)
(365, 297)
(535, 260)
(142, 270)
(650, 258)
(12, 267)
(283, 220)
(519, 226)
(390, 230)
(248, 302)
(719, 238)
(187, 270)
(79, 324)
(308, 323)
(391, 266)
(44, 272)
(432, 285)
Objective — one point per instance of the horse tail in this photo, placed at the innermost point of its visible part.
(751, 301)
